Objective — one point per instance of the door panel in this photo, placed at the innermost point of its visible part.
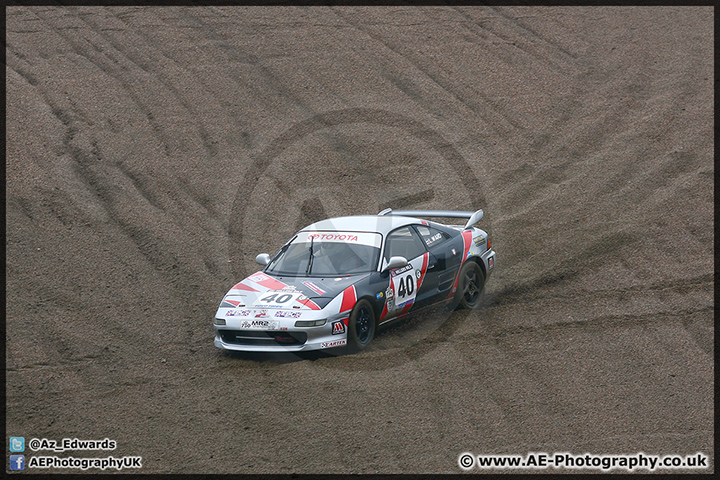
(406, 285)
(446, 249)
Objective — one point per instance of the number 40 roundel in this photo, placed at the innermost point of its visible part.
(405, 286)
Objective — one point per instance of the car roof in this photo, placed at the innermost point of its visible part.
(363, 223)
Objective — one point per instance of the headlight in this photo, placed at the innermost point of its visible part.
(310, 323)
(219, 321)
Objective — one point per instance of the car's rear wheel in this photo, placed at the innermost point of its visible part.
(471, 286)
(361, 327)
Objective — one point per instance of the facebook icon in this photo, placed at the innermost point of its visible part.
(17, 462)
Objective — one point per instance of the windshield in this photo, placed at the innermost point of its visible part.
(322, 254)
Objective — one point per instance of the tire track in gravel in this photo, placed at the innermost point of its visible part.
(88, 168)
(638, 182)
(595, 333)
(461, 94)
(141, 238)
(169, 74)
(519, 294)
(87, 159)
(453, 330)
(438, 334)
(264, 80)
(563, 164)
(524, 38)
(558, 54)
(60, 339)
(105, 63)
(160, 68)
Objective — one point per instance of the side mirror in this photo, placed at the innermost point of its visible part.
(395, 262)
(263, 259)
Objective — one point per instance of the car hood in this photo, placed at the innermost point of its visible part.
(261, 290)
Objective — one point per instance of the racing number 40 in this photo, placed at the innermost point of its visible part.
(283, 298)
(406, 286)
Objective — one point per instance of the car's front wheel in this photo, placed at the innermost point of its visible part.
(470, 286)
(361, 326)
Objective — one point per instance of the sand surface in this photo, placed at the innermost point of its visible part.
(153, 152)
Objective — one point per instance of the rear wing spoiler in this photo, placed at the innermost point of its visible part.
(473, 218)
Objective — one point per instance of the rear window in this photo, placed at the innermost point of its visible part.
(431, 236)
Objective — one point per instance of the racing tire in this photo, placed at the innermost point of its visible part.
(361, 326)
(471, 286)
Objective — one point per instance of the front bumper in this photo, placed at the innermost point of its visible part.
(283, 337)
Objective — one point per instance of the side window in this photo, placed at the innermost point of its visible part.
(404, 242)
(431, 236)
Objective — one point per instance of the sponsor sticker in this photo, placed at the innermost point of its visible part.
(315, 288)
(276, 299)
(284, 314)
(379, 295)
(433, 239)
(362, 238)
(334, 343)
(259, 324)
(289, 289)
(401, 270)
(404, 284)
(259, 277)
(335, 237)
(338, 328)
(237, 313)
(479, 240)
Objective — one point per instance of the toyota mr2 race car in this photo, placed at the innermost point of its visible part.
(337, 280)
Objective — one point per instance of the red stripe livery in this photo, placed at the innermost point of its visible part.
(349, 298)
(309, 303)
(467, 241)
(242, 286)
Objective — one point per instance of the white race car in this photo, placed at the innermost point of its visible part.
(334, 282)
